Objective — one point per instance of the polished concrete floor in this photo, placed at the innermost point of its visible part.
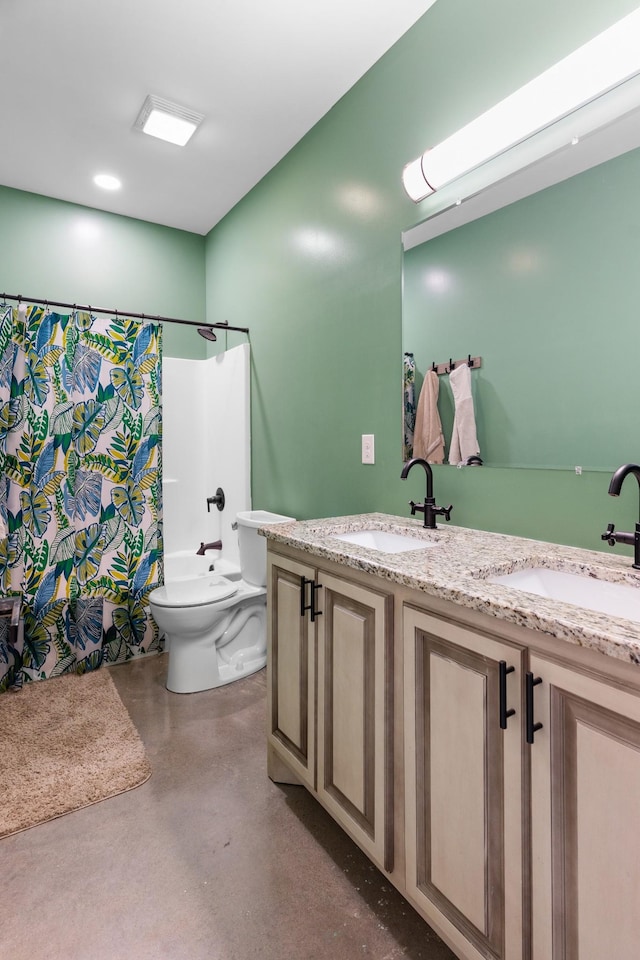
(209, 860)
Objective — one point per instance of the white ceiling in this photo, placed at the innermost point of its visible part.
(74, 75)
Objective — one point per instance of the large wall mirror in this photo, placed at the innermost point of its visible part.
(546, 289)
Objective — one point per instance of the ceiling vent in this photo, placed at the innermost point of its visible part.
(168, 121)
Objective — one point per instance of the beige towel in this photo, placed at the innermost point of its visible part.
(428, 441)
(464, 442)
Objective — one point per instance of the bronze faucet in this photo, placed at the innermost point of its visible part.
(429, 506)
(216, 545)
(610, 535)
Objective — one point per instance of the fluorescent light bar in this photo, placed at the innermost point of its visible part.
(167, 121)
(598, 66)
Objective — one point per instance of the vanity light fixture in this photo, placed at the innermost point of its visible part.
(168, 121)
(600, 65)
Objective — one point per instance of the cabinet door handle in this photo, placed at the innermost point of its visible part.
(530, 683)
(504, 713)
(303, 592)
(314, 613)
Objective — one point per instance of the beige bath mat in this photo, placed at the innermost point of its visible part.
(65, 743)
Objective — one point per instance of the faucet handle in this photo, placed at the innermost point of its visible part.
(446, 511)
(218, 499)
(416, 508)
(609, 535)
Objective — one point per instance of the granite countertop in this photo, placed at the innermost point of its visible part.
(461, 559)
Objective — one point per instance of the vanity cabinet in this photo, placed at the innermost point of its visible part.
(330, 696)
(463, 783)
(585, 792)
(493, 771)
(291, 668)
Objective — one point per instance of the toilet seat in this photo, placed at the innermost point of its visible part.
(194, 593)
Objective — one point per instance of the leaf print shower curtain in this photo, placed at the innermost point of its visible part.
(80, 487)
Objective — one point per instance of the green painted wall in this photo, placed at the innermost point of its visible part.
(311, 260)
(546, 291)
(49, 248)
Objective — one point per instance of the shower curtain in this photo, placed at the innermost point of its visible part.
(409, 404)
(80, 487)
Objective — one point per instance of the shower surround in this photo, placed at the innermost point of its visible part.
(206, 445)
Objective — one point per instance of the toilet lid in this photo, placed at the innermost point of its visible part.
(193, 593)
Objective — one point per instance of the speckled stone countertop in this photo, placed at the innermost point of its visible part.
(461, 559)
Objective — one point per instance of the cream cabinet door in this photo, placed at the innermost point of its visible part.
(463, 789)
(291, 666)
(585, 796)
(354, 713)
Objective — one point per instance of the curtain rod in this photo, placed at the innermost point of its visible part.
(122, 313)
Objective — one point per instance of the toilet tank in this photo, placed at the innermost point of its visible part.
(253, 547)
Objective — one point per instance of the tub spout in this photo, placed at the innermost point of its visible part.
(216, 545)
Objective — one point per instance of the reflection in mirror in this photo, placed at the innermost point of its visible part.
(547, 291)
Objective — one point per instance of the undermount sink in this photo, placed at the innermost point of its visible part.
(384, 540)
(616, 599)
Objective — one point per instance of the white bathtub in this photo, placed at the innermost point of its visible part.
(184, 565)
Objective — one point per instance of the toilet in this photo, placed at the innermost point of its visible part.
(215, 626)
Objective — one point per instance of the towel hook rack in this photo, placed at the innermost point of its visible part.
(474, 363)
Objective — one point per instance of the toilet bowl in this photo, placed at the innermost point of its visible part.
(215, 627)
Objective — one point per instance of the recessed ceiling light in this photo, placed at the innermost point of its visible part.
(107, 182)
(167, 121)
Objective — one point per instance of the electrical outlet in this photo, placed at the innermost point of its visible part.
(368, 448)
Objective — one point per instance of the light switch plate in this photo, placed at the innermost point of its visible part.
(368, 448)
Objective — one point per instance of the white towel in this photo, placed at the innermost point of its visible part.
(464, 442)
(428, 441)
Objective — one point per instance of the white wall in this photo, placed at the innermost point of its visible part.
(206, 445)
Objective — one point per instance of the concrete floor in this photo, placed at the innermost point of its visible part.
(209, 860)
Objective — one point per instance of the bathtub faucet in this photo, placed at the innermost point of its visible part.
(216, 545)
(218, 500)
